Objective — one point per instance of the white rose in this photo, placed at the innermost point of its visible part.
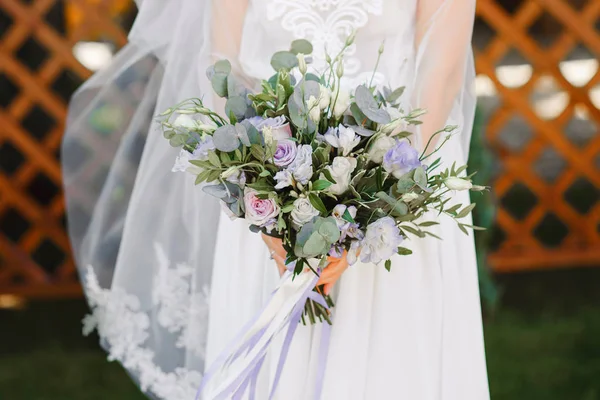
(342, 103)
(314, 112)
(185, 122)
(303, 212)
(341, 170)
(324, 98)
(381, 146)
(454, 183)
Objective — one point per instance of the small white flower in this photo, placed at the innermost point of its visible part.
(408, 197)
(342, 138)
(381, 146)
(341, 170)
(381, 241)
(284, 179)
(314, 112)
(454, 183)
(303, 212)
(268, 135)
(352, 256)
(324, 97)
(342, 103)
(302, 63)
(185, 122)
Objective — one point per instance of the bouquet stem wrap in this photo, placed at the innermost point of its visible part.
(237, 368)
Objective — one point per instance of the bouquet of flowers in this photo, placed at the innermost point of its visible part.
(328, 171)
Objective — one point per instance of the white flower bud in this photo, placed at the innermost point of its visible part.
(455, 183)
(302, 63)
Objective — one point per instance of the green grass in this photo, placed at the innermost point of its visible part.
(543, 343)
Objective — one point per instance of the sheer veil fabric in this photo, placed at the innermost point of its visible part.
(170, 279)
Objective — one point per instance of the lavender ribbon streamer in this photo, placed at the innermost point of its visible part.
(249, 376)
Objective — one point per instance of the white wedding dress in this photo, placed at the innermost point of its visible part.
(171, 280)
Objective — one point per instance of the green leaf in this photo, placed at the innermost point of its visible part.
(453, 209)
(287, 209)
(317, 203)
(213, 175)
(219, 84)
(258, 152)
(420, 177)
(465, 211)
(462, 228)
(202, 176)
(301, 46)
(395, 95)
(226, 138)
(429, 223)
(433, 235)
(321, 185)
(369, 106)
(223, 66)
(237, 106)
(213, 158)
(388, 265)
(358, 115)
(328, 175)
(403, 251)
(347, 217)
(398, 206)
(284, 60)
(416, 232)
(224, 157)
(178, 140)
(264, 173)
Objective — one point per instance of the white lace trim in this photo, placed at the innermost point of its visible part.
(120, 322)
(326, 23)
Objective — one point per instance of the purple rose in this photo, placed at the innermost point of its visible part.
(285, 153)
(278, 127)
(260, 212)
(401, 159)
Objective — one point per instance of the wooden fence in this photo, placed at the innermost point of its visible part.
(540, 222)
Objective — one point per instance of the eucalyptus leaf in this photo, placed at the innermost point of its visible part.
(242, 134)
(364, 132)
(312, 77)
(420, 177)
(237, 106)
(465, 211)
(223, 66)
(369, 106)
(226, 138)
(235, 87)
(301, 46)
(219, 84)
(178, 140)
(358, 115)
(327, 228)
(253, 134)
(284, 60)
(416, 232)
(388, 265)
(315, 245)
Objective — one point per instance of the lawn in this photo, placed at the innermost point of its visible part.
(543, 343)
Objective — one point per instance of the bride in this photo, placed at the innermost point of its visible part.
(171, 280)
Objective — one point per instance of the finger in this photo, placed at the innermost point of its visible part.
(327, 288)
(280, 261)
(331, 273)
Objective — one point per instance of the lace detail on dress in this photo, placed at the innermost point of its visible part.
(125, 328)
(326, 23)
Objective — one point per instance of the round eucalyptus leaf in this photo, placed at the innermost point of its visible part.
(329, 230)
(362, 131)
(226, 138)
(242, 134)
(223, 66)
(178, 140)
(369, 106)
(420, 177)
(253, 134)
(285, 60)
(219, 84)
(210, 72)
(235, 87)
(315, 245)
(236, 105)
(301, 46)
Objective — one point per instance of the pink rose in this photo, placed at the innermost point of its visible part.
(260, 212)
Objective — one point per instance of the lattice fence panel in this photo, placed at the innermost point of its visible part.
(38, 74)
(545, 130)
(549, 213)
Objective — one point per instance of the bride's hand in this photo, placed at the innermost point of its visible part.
(333, 272)
(277, 251)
